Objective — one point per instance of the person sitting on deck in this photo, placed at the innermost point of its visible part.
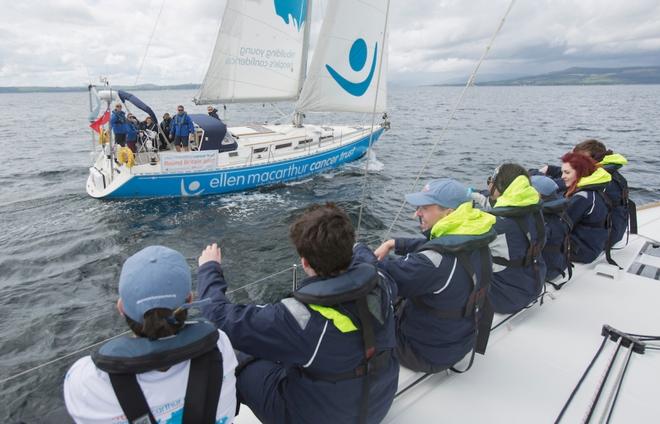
(149, 376)
(213, 112)
(587, 207)
(119, 126)
(519, 270)
(182, 127)
(436, 323)
(324, 355)
(623, 208)
(557, 228)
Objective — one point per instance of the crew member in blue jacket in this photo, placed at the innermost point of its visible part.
(585, 182)
(182, 127)
(436, 323)
(318, 350)
(557, 228)
(119, 125)
(132, 128)
(518, 266)
(623, 208)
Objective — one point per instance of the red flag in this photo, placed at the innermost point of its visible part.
(96, 125)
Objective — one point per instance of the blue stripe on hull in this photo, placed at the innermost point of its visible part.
(233, 180)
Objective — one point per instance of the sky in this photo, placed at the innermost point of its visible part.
(73, 42)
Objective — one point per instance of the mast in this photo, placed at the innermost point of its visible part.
(298, 115)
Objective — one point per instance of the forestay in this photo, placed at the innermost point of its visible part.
(347, 59)
(258, 53)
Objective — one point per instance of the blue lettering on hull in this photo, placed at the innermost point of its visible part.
(243, 179)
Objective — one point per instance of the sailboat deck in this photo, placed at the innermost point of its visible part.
(535, 359)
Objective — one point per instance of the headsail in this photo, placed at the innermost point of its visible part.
(344, 70)
(258, 52)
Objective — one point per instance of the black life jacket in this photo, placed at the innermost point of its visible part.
(534, 252)
(599, 190)
(477, 305)
(558, 207)
(628, 204)
(354, 287)
(124, 357)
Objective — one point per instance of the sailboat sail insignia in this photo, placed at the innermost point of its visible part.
(292, 11)
(357, 58)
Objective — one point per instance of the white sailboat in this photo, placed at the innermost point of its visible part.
(260, 56)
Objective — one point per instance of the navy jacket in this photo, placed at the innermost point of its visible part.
(514, 287)
(118, 122)
(615, 192)
(291, 333)
(181, 126)
(131, 131)
(556, 230)
(588, 212)
(440, 282)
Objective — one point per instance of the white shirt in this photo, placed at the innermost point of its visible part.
(90, 399)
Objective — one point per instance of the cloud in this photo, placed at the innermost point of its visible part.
(68, 42)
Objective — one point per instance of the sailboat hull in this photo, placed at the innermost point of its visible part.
(223, 180)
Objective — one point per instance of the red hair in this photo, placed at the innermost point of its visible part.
(583, 166)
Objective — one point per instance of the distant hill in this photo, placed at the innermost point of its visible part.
(588, 76)
(141, 87)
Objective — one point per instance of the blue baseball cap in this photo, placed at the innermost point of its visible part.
(154, 277)
(544, 185)
(444, 192)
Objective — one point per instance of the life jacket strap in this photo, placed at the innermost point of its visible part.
(202, 393)
(375, 365)
(608, 225)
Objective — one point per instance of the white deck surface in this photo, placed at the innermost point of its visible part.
(534, 360)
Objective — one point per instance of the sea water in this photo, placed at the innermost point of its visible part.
(61, 251)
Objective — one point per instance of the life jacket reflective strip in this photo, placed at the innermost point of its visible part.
(341, 321)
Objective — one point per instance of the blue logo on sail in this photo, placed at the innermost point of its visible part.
(296, 10)
(357, 58)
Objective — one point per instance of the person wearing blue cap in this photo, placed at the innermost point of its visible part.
(556, 252)
(325, 354)
(170, 369)
(518, 266)
(442, 277)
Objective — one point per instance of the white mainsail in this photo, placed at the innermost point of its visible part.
(258, 54)
(347, 60)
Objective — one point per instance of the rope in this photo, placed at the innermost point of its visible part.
(373, 121)
(146, 50)
(584, 375)
(469, 83)
(70, 354)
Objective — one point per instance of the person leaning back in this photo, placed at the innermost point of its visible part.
(324, 355)
(436, 322)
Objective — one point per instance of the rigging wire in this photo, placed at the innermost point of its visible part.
(86, 348)
(469, 83)
(612, 402)
(146, 50)
(373, 120)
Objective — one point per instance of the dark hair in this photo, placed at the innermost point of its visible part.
(324, 236)
(583, 166)
(594, 148)
(506, 173)
(158, 323)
